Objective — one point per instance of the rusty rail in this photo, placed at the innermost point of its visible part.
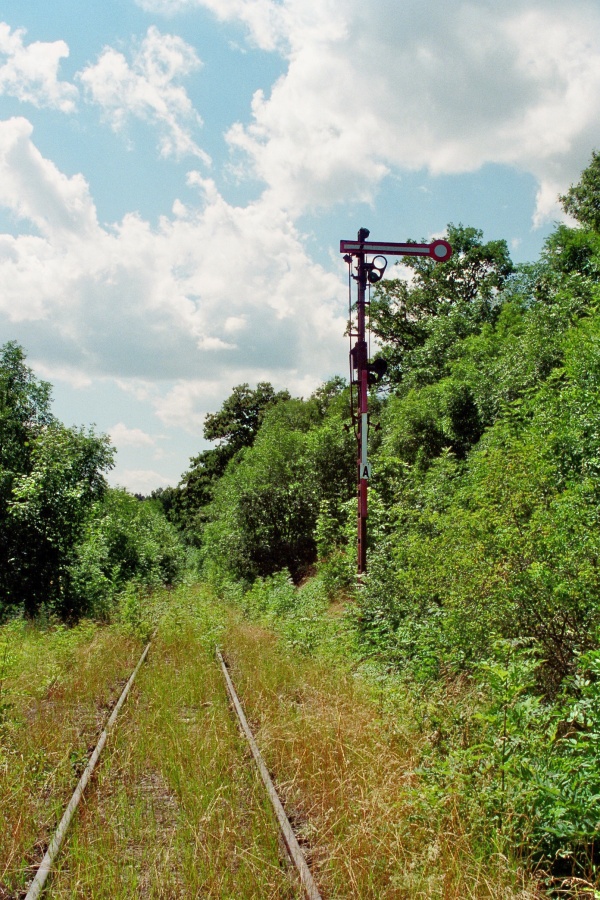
(291, 843)
(37, 885)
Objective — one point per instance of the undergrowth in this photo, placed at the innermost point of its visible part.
(516, 774)
(56, 687)
(399, 783)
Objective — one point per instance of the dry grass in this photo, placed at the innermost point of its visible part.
(58, 686)
(177, 810)
(349, 784)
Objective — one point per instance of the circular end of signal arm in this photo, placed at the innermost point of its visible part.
(440, 250)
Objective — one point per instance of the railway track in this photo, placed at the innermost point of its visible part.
(308, 885)
(291, 843)
(176, 808)
(37, 885)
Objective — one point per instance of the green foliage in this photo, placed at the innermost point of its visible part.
(265, 508)
(566, 807)
(525, 772)
(240, 417)
(418, 322)
(49, 478)
(235, 426)
(336, 566)
(126, 546)
(67, 543)
(301, 615)
(266, 505)
(582, 200)
(24, 413)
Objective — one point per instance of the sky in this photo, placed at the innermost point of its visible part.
(176, 175)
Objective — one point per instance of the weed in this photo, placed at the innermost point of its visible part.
(57, 685)
(178, 809)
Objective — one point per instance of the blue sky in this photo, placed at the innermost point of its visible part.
(175, 177)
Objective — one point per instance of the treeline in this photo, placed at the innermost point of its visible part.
(69, 544)
(484, 537)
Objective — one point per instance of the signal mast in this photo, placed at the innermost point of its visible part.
(364, 372)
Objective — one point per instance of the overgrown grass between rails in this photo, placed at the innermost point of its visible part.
(346, 742)
(57, 686)
(177, 809)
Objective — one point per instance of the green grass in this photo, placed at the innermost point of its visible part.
(348, 775)
(176, 808)
(57, 685)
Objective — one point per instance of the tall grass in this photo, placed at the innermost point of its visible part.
(177, 809)
(347, 742)
(350, 782)
(56, 687)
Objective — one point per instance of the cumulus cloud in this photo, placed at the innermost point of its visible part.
(30, 73)
(138, 481)
(180, 312)
(267, 21)
(148, 89)
(54, 371)
(446, 88)
(34, 189)
(123, 436)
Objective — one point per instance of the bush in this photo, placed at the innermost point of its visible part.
(124, 541)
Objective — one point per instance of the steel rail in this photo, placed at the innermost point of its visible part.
(37, 885)
(291, 843)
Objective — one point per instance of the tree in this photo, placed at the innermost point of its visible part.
(122, 541)
(265, 508)
(24, 413)
(582, 200)
(49, 477)
(48, 508)
(240, 417)
(24, 410)
(235, 426)
(419, 321)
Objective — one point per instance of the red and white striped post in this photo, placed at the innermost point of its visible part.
(440, 251)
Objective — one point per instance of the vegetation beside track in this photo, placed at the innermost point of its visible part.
(177, 809)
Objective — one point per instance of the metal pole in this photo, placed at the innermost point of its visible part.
(363, 411)
(439, 251)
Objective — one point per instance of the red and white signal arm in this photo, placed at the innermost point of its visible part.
(439, 250)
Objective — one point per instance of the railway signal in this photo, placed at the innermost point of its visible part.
(372, 372)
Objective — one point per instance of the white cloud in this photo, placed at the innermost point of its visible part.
(34, 189)
(122, 436)
(185, 405)
(30, 73)
(138, 481)
(52, 371)
(267, 21)
(148, 90)
(446, 88)
(176, 314)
